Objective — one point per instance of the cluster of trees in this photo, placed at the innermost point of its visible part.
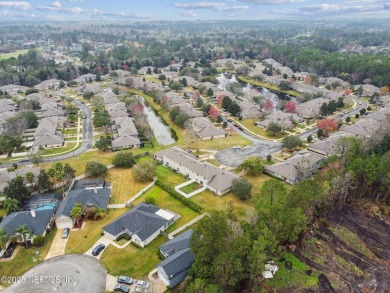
(177, 117)
(291, 142)
(331, 107)
(231, 106)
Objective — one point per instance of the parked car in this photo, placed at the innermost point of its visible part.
(65, 233)
(98, 249)
(230, 120)
(142, 284)
(235, 124)
(139, 290)
(240, 127)
(24, 160)
(84, 117)
(247, 147)
(121, 288)
(189, 151)
(237, 147)
(125, 280)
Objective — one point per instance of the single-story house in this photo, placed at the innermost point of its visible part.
(143, 223)
(48, 141)
(88, 184)
(97, 197)
(368, 89)
(311, 108)
(364, 127)
(125, 141)
(285, 120)
(178, 259)
(248, 109)
(38, 222)
(204, 129)
(328, 147)
(189, 110)
(296, 168)
(6, 176)
(13, 89)
(48, 84)
(206, 174)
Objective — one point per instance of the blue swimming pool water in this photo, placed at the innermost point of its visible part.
(45, 207)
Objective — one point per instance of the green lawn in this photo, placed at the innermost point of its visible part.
(70, 131)
(348, 104)
(2, 212)
(24, 260)
(81, 241)
(248, 123)
(190, 187)
(268, 86)
(166, 201)
(294, 278)
(165, 174)
(54, 151)
(15, 54)
(132, 261)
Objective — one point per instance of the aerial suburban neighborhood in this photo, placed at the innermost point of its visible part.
(155, 155)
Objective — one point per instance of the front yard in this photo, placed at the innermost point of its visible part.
(249, 124)
(82, 240)
(124, 186)
(54, 151)
(26, 258)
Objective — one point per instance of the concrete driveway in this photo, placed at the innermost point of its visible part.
(64, 274)
(103, 240)
(57, 248)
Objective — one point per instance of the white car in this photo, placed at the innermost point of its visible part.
(247, 147)
(142, 284)
(237, 147)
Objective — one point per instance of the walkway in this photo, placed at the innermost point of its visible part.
(177, 231)
(157, 285)
(58, 245)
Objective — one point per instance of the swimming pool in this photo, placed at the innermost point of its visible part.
(49, 206)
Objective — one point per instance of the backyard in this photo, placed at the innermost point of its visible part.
(26, 258)
(82, 240)
(190, 187)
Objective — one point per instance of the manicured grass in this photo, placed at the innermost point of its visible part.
(268, 86)
(15, 54)
(190, 188)
(165, 174)
(96, 137)
(124, 186)
(132, 261)
(214, 162)
(294, 278)
(348, 104)
(166, 201)
(2, 212)
(70, 131)
(81, 241)
(24, 260)
(54, 151)
(248, 123)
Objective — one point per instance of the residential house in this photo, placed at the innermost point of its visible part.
(13, 89)
(125, 142)
(329, 146)
(311, 108)
(248, 109)
(143, 223)
(206, 174)
(178, 259)
(48, 85)
(368, 89)
(296, 168)
(86, 78)
(49, 140)
(364, 128)
(89, 198)
(7, 176)
(38, 222)
(189, 110)
(94, 88)
(285, 120)
(204, 129)
(7, 105)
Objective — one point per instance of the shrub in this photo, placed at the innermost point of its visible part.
(150, 200)
(123, 159)
(94, 168)
(241, 188)
(39, 240)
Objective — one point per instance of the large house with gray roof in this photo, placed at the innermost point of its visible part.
(206, 174)
(178, 259)
(7, 176)
(311, 108)
(204, 129)
(96, 197)
(143, 223)
(38, 222)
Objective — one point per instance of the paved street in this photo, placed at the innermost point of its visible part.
(67, 273)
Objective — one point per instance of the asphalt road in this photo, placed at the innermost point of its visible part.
(67, 273)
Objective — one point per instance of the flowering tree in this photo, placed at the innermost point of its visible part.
(308, 80)
(267, 106)
(328, 125)
(347, 92)
(213, 112)
(290, 107)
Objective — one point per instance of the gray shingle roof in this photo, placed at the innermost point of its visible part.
(141, 220)
(204, 128)
(177, 244)
(87, 197)
(48, 139)
(37, 225)
(177, 263)
(125, 141)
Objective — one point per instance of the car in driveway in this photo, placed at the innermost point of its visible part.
(121, 288)
(98, 249)
(65, 233)
(125, 280)
(139, 290)
(142, 284)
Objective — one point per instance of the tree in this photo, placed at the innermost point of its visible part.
(274, 128)
(226, 101)
(162, 77)
(103, 143)
(123, 159)
(210, 92)
(328, 125)
(267, 106)
(44, 182)
(35, 156)
(310, 138)
(101, 119)
(213, 112)
(224, 124)
(181, 119)
(3, 240)
(150, 200)
(17, 189)
(234, 108)
(30, 178)
(348, 119)
(292, 142)
(39, 240)
(324, 110)
(362, 111)
(8, 143)
(23, 231)
(87, 95)
(69, 174)
(253, 166)
(284, 85)
(320, 132)
(11, 205)
(76, 212)
(357, 116)
(144, 171)
(100, 213)
(94, 168)
(241, 188)
(290, 107)
(206, 108)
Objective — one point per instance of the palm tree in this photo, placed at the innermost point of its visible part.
(89, 211)
(30, 178)
(11, 205)
(3, 240)
(23, 231)
(100, 212)
(76, 212)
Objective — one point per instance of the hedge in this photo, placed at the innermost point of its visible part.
(193, 206)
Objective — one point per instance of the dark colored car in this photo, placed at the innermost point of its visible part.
(98, 249)
(239, 127)
(125, 280)
(230, 120)
(235, 124)
(121, 288)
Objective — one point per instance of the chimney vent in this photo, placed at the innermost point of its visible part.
(33, 213)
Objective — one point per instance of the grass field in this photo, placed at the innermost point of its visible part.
(81, 241)
(268, 86)
(24, 260)
(124, 186)
(248, 123)
(54, 151)
(190, 188)
(70, 131)
(15, 54)
(132, 261)
(166, 201)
